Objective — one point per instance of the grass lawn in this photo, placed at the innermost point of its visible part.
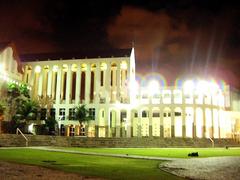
(163, 152)
(106, 167)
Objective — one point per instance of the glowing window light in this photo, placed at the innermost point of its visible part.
(103, 66)
(65, 67)
(37, 69)
(153, 87)
(124, 65)
(55, 68)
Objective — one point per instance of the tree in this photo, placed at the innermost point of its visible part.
(28, 110)
(20, 107)
(2, 109)
(82, 115)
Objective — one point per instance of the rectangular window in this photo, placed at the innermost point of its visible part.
(102, 114)
(169, 114)
(71, 113)
(62, 114)
(123, 116)
(144, 114)
(156, 114)
(135, 114)
(177, 114)
(111, 78)
(92, 113)
(102, 78)
(164, 114)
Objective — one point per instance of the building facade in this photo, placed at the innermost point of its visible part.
(120, 107)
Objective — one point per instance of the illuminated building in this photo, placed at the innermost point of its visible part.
(105, 82)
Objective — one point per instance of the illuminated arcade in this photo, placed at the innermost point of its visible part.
(123, 103)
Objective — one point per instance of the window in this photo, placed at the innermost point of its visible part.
(156, 114)
(43, 114)
(177, 114)
(111, 78)
(123, 116)
(164, 114)
(144, 114)
(62, 114)
(92, 113)
(71, 113)
(102, 78)
(169, 114)
(102, 114)
(136, 114)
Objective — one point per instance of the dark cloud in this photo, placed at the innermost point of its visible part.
(23, 24)
(174, 45)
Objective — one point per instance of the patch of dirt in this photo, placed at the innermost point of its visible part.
(27, 172)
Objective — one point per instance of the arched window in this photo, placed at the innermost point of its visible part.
(144, 114)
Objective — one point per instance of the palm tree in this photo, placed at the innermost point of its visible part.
(82, 115)
(27, 111)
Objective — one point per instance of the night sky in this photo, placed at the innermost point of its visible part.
(174, 38)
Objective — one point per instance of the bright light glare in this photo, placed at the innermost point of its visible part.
(188, 87)
(1, 68)
(153, 87)
(37, 69)
(124, 65)
(203, 87)
(55, 68)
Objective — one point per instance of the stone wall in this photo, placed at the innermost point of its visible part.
(37, 140)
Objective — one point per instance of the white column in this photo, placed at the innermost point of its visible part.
(59, 80)
(40, 82)
(49, 81)
(118, 81)
(129, 123)
(97, 82)
(78, 83)
(25, 74)
(107, 82)
(87, 83)
(68, 84)
(31, 80)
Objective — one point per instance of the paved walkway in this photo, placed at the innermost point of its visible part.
(104, 154)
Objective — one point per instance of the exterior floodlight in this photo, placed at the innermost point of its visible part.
(37, 69)
(203, 87)
(124, 65)
(213, 88)
(188, 87)
(55, 68)
(134, 86)
(153, 87)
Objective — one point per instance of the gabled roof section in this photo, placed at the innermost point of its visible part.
(5, 45)
(84, 54)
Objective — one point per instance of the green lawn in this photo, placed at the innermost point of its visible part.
(106, 167)
(164, 152)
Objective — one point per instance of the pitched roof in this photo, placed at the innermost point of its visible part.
(77, 55)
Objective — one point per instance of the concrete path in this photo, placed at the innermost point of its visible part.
(104, 154)
(216, 168)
